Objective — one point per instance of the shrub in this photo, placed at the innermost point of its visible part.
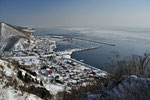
(134, 65)
(81, 92)
(39, 91)
(11, 82)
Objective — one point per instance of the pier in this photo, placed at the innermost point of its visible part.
(95, 41)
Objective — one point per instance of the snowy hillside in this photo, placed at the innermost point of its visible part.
(9, 84)
(127, 88)
(12, 37)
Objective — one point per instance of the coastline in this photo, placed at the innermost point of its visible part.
(67, 55)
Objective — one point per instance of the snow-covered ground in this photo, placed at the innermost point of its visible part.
(12, 94)
(127, 88)
(7, 72)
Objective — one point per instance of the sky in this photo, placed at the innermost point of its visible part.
(107, 13)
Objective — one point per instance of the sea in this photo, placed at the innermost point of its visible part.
(128, 41)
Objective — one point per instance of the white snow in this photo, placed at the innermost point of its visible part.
(131, 85)
(54, 89)
(11, 94)
(8, 71)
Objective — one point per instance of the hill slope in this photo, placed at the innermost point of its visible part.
(127, 88)
(15, 38)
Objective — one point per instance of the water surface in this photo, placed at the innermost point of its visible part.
(127, 41)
